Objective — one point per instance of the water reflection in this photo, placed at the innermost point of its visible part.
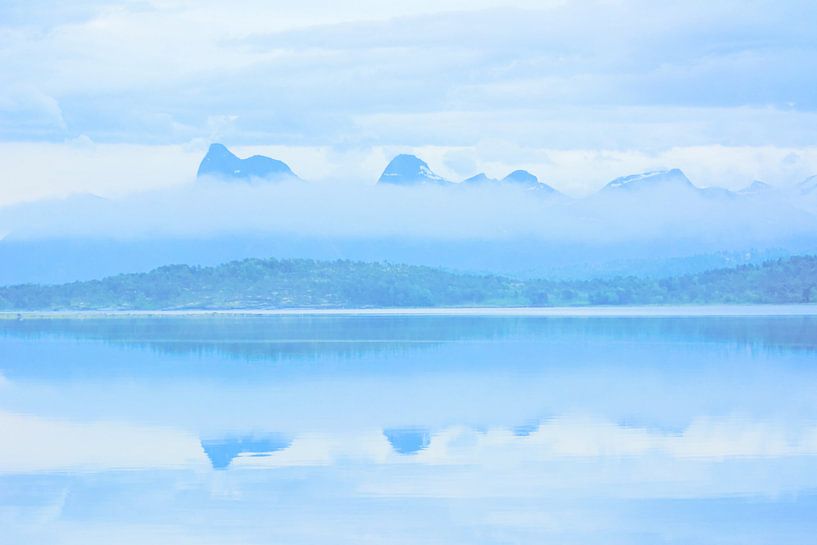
(408, 440)
(313, 338)
(418, 429)
(223, 451)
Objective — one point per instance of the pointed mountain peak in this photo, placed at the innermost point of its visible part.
(221, 163)
(409, 170)
(219, 150)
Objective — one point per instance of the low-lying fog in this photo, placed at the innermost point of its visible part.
(498, 229)
(427, 212)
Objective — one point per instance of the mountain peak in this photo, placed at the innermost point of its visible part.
(407, 169)
(663, 178)
(218, 149)
(521, 177)
(517, 178)
(220, 162)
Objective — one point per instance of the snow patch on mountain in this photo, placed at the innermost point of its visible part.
(407, 169)
(672, 177)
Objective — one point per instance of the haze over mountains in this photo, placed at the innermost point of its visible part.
(410, 170)
(402, 170)
(654, 223)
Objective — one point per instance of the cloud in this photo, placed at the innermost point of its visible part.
(26, 109)
(576, 92)
(48, 445)
(312, 74)
(40, 170)
(568, 456)
(40, 444)
(346, 210)
(462, 162)
(82, 165)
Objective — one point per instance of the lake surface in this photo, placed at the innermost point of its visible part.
(408, 429)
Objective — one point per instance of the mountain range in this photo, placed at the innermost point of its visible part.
(409, 170)
(654, 223)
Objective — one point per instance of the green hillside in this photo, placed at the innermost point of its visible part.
(300, 283)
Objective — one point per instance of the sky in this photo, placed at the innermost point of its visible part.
(113, 98)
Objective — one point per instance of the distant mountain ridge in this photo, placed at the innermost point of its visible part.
(755, 188)
(219, 162)
(517, 178)
(480, 179)
(672, 178)
(674, 181)
(409, 170)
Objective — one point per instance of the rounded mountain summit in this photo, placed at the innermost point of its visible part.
(410, 170)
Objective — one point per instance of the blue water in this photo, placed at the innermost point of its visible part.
(408, 429)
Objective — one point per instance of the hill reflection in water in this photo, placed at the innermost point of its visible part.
(476, 429)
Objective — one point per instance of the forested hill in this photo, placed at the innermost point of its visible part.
(300, 283)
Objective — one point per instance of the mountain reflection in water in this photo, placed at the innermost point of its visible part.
(460, 429)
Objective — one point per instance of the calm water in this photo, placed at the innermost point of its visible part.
(408, 429)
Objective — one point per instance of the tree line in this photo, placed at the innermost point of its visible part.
(305, 283)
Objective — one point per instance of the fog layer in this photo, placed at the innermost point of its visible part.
(658, 231)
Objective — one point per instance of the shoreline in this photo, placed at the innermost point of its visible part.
(759, 310)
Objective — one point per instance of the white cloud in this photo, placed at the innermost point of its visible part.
(33, 444)
(302, 73)
(578, 92)
(38, 170)
(569, 456)
(28, 108)
(351, 210)
(582, 437)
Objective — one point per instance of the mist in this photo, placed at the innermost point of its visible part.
(503, 230)
(209, 208)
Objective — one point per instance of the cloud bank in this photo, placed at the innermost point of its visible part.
(41, 170)
(564, 89)
(301, 209)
